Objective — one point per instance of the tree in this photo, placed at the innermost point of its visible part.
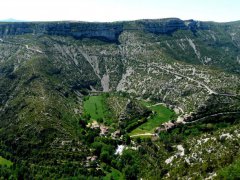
(82, 123)
(127, 139)
(87, 116)
(100, 120)
(105, 157)
(130, 172)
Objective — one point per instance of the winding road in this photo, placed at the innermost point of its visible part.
(26, 46)
(210, 91)
(144, 134)
(213, 115)
(32, 49)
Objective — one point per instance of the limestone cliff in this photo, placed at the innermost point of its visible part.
(103, 31)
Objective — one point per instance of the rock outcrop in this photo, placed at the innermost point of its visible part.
(168, 26)
(103, 31)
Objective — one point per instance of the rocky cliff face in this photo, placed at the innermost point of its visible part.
(103, 31)
(168, 26)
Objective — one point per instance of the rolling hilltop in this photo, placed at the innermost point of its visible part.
(147, 99)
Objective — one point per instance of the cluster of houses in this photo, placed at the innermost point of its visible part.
(104, 130)
(170, 124)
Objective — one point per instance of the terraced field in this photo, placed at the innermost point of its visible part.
(161, 114)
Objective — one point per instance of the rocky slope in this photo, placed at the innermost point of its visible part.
(47, 68)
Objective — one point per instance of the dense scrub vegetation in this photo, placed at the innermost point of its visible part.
(88, 109)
